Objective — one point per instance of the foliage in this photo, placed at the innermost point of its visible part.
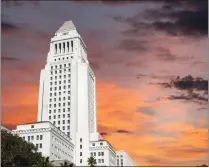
(15, 151)
(43, 162)
(92, 161)
(203, 165)
(66, 164)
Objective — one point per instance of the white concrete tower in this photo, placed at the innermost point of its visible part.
(67, 93)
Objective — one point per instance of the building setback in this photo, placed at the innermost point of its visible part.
(67, 103)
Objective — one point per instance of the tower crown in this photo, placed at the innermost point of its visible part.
(67, 26)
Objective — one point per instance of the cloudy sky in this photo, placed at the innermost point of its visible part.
(150, 61)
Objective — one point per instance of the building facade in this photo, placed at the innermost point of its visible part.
(50, 141)
(123, 159)
(67, 104)
(103, 152)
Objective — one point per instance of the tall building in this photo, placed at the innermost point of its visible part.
(67, 99)
(67, 95)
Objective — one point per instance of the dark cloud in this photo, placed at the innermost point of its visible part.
(139, 63)
(164, 84)
(12, 3)
(187, 83)
(202, 108)
(103, 133)
(140, 76)
(9, 59)
(133, 45)
(187, 23)
(124, 131)
(191, 20)
(146, 110)
(6, 26)
(195, 97)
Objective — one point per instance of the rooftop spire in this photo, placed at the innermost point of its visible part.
(67, 26)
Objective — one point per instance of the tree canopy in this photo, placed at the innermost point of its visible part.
(15, 151)
(92, 161)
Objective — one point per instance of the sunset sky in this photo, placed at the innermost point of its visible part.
(135, 49)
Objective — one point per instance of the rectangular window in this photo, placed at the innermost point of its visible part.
(41, 137)
(80, 146)
(93, 144)
(40, 145)
(50, 117)
(63, 121)
(37, 137)
(31, 138)
(80, 160)
(68, 121)
(102, 154)
(36, 145)
(58, 122)
(80, 153)
(98, 153)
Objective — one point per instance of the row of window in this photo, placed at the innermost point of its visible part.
(58, 123)
(60, 82)
(121, 162)
(63, 58)
(100, 160)
(59, 104)
(60, 66)
(99, 153)
(93, 144)
(59, 110)
(120, 156)
(59, 117)
(60, 71)
(31, 138)
(39, 145)
(63, 47)
(59, 88)
(55, 94)
(59, 99)
(61, 151)
(60, 76)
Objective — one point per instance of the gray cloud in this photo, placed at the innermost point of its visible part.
(146, 110)
(124, 131)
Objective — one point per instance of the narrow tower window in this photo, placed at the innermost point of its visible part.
(72, 45)
(59, 47)
(55, 48)
(63, 47)
(67, 46)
